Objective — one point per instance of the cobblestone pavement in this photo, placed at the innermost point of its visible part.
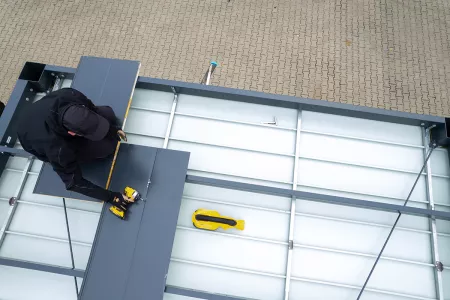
(391, 54)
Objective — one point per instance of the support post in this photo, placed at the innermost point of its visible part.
(287, 283)
(432, 220)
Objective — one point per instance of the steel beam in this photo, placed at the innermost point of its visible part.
(288, 102)
(432, 221)
(41, 267)
(15, 152)
(408, 210)
(198, 294)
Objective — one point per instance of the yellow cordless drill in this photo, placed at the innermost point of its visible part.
(120, 210)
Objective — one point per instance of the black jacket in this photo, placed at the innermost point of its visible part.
(42, 134)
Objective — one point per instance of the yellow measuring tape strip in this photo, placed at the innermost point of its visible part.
(108, 182)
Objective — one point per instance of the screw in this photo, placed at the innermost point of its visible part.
(62, 75)
(31, 90)
(53, 74)
(27, 98)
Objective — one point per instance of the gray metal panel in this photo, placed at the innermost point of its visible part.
(155, 240)
(113, 248)
(106, 82)
(134, 254)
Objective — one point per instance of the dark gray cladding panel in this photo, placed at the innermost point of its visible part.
(130, 258)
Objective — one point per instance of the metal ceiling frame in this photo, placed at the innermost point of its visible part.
(25, 90)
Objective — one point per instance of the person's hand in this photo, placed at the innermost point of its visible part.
(120, 200)
(122, 135)
(129, 200)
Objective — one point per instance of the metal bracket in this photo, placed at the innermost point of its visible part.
(12, 201)
(291, 244)
(274, 122)
(439, 266)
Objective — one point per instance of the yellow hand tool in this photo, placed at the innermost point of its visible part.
(120, 210)
(212, 220)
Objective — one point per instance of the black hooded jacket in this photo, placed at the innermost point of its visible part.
(42, 134)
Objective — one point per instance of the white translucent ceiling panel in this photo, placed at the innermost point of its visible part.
(223, 281)
(9, 182)
(446, 280)
(44, 250)
(238, 111)
(361, 152)
(234, 135)
(36, 250)
(17, 163)
(51, 222)
(444, 249)
(205, 247)
(145, 140)
(16, 283)
(29, 196)
(441, 190)
(4, 207)
(146, 123)
(364, 239)
(360, 180)
(237, 162)
(439, 162)
(441, 225)
(313, 290)
(366, 216)
(347, 269)
(362, 128)
(37, 165)
(150, 99)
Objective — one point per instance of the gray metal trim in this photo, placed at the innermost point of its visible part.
(198, 294)
(289, 102)
(15, 152)
(41, 267)
(442, 215)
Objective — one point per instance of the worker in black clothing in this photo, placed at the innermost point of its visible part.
(65, 129)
